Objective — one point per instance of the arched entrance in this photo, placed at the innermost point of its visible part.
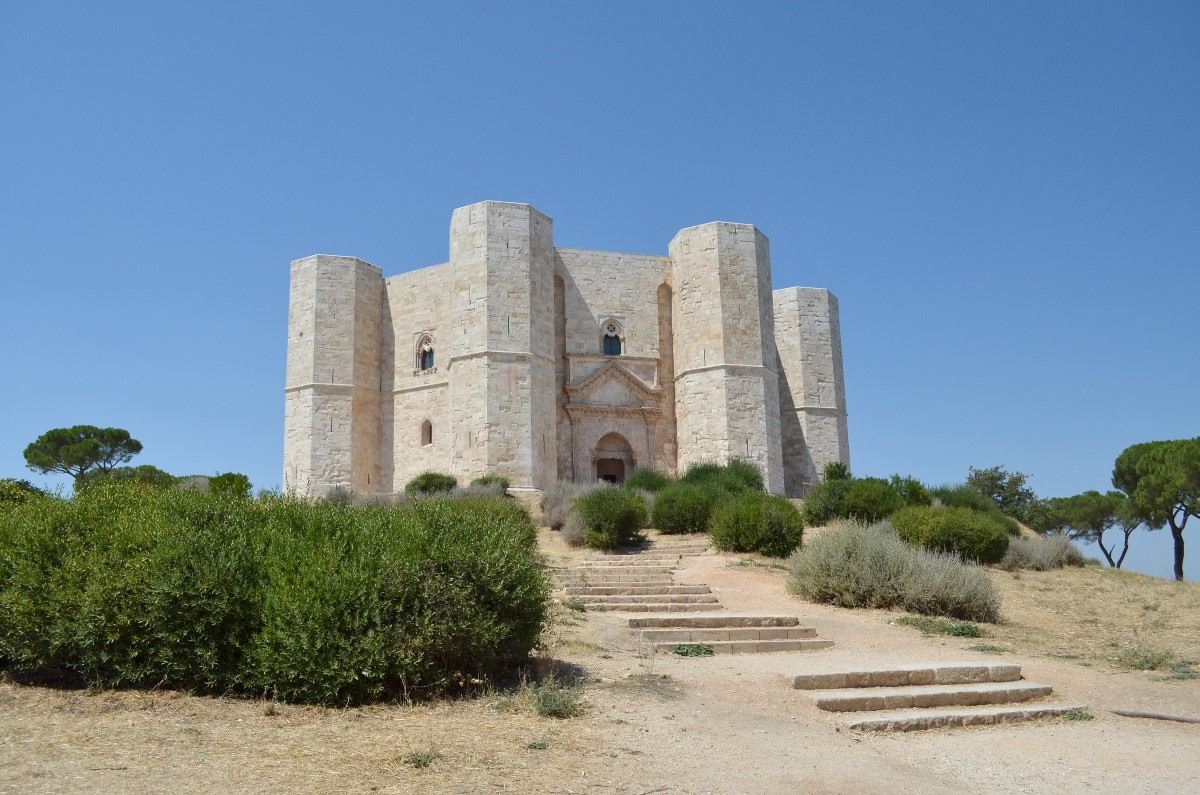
(613, 458)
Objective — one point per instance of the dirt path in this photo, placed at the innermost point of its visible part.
(655, 724)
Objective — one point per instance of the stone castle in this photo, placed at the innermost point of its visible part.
(538, 363)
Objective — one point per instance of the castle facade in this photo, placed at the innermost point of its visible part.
(538, 363)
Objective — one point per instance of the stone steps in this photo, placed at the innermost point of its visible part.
(669, 598)
(615, 579)
(920, 719)
(750, 634)
(633, 590)
(929, 696)
(582, 571)
(751, 646)
(653, 607)
(866, 699)
(906, 675)
(713, 622)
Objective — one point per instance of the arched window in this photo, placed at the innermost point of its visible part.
(610, 342)
(425, 353)
(426, 433)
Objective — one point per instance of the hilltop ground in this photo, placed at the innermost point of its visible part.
(666, 724)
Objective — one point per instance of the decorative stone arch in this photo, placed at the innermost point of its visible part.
(423, 358)
(612, 458)
(612, 337)
(426, 433)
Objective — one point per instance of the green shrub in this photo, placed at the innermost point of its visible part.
(836, 470)
(683, 508)
(1040, 554)
(756, 523)
(855, 565)
(498, 482)
(964, 496)
(611, 517)
(17, 492)
(973, 535)
(825, 502)
(648, 480)
(911, 490)
(234, 485)
(870, 500)
(736, 476)
(431, 483)
(318, 603)
(144, 474)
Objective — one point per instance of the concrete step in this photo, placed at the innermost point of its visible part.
(919, 719)
(712, 622)
(633, 590)
(893, 698)
(751, 646)
(667, 598)
(951, 673)
(617, 575)
(618, 570)
(653, 607)
(750, 634)
(577, 581)
(632, 561)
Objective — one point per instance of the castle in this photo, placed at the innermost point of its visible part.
(538, 363)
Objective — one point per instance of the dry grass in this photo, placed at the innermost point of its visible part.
(150, 742)
(1101, 617)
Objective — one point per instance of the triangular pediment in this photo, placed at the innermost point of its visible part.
(614, 385)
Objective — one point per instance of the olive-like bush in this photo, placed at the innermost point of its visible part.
(17, 492)
(1041, 554)
(430, 483)
(977, 536)
(683, 508)
(756, 523)
(611, 517)
(855, 565)
(647, 480)
(911, 490)
(557, 501)
(310, 602)
(234, 485)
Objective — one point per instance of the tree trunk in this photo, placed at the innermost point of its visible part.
(1177, 534)
(1124, 551)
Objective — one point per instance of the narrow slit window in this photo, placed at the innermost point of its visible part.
(426, 433)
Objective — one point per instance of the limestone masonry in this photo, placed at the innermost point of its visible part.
(538, 363)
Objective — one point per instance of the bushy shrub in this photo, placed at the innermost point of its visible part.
(1041, 554)
(870, 500)
(431, 483)
(683, 508)
(319, 603)
(557, 501)
(836, 470)
(647, 479)
(736, 476)
(648, 498)
(17, 492)
(974, 535)
(824, 502)
(144, 474)
(754, 522)
(234, 485)
(963, 496)
(911, 490)
(855, 565)
(612, 517)
(497, 482)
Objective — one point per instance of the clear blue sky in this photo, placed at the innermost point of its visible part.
(1004, 197)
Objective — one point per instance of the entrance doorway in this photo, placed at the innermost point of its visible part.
(610, 470)
(613, 458)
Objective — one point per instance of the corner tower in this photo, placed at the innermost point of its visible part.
(726, 386)
(331, 395)
(502, 406)
(811, 385)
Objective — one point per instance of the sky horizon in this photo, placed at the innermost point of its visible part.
(1006, 202)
